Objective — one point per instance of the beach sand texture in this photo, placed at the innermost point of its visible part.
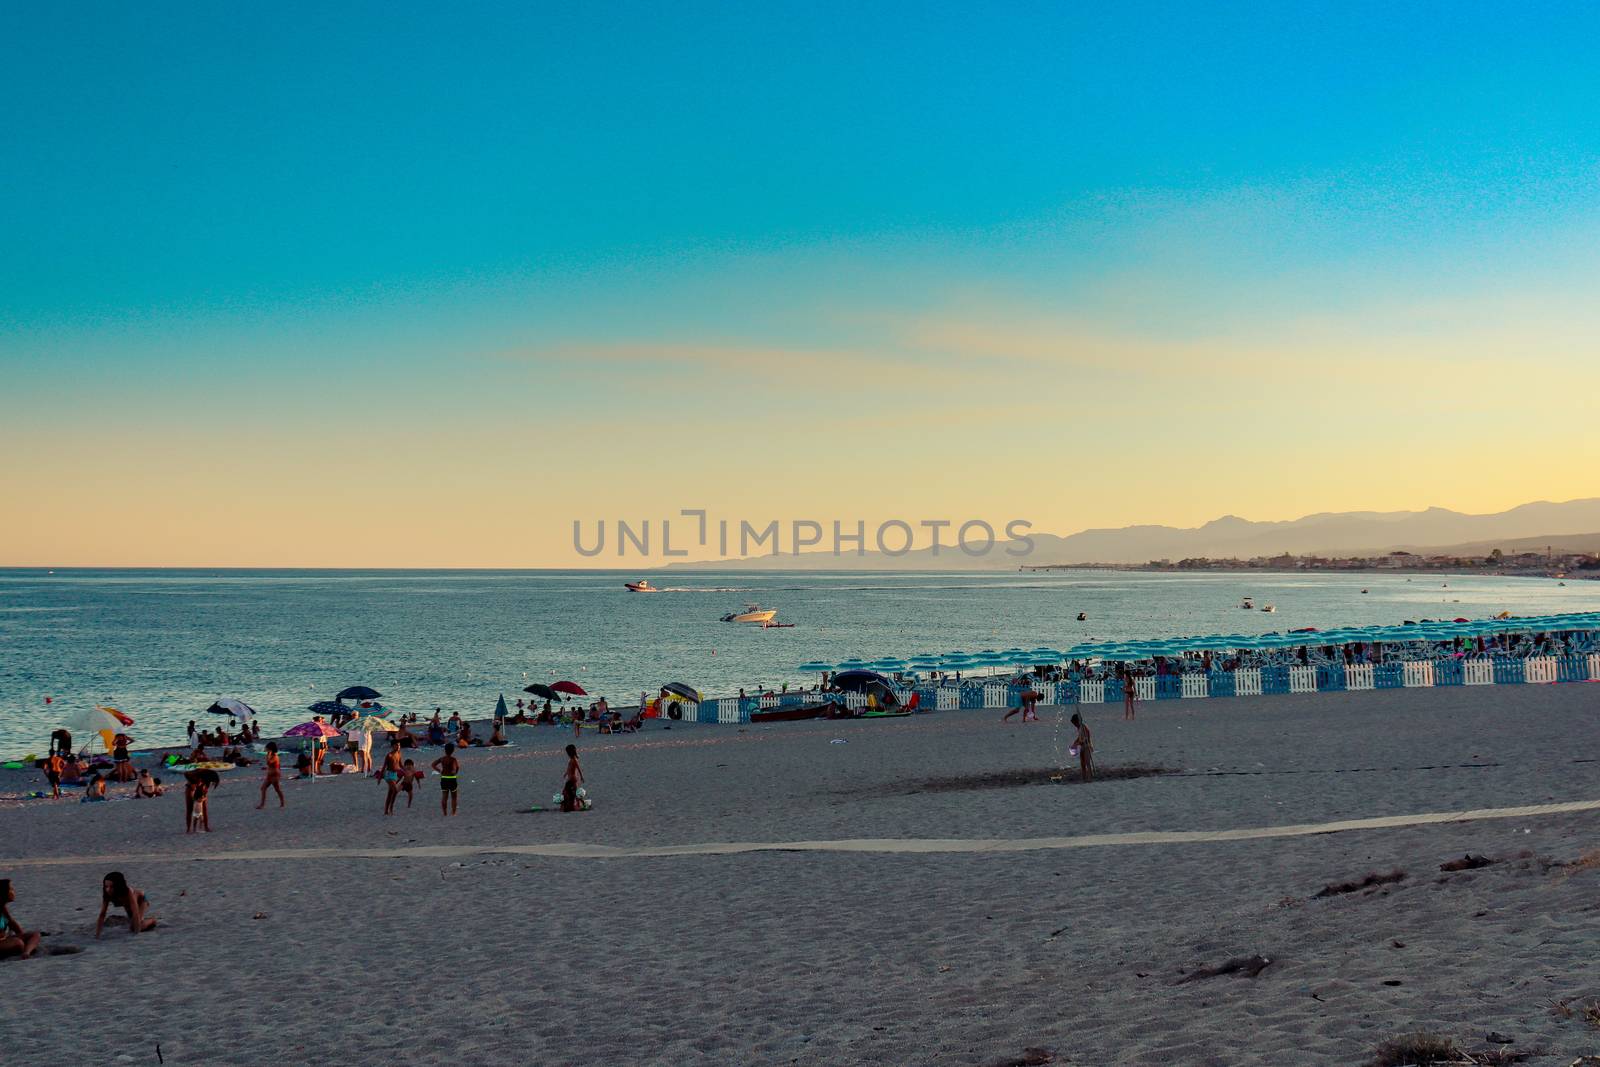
(291, 947)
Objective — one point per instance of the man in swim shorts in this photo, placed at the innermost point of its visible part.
(449, 769)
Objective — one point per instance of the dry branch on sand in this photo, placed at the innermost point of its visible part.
(1249, 966)
(1370, 881)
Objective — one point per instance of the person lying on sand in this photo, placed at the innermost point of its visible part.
(14, 940)
(115, 892)
(449, 770)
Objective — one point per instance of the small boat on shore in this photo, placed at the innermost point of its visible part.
(751, 613)
(641, 586)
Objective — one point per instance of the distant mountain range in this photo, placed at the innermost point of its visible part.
(1568, 525)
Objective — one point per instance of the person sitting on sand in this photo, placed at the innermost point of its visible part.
(449, 771)
(498, 737)
(14, 940)
(403, 737)
(53, 766)
(1084, 743)
(71, 770)
(147, 785)
(393, 768)
(196, 793)
(199, 754)
(115, 892)
(302, 765)
(435, 732)
(571, 781)
(464, 738)
(95, 789)
(274, 776)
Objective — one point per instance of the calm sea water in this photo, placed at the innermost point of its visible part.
(162, 645)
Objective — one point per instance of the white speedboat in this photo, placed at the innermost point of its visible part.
(641, 586)
(1247, 604)
(751, 613)
(1269, 607)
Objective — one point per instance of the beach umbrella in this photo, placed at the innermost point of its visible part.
(500, 710)
(852, 664)
(313, 730)
(104, 722)
(328, 707)
(359, 692)
(814, 667)
(236, 708)
(543, 692)
(370, 724)
(572, 688)
(887, 664)
(682, 691)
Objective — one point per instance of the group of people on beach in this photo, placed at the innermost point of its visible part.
(115, 892)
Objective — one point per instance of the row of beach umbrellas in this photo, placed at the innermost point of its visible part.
(1426, 630)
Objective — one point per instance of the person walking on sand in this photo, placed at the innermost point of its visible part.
(1130, 694)
(115, 892)
(572, 780)
(274, 776)
(1084, 743)
(449, 771)
(393, 768)
(13, 938)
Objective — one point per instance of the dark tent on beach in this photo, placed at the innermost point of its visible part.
(870, 683)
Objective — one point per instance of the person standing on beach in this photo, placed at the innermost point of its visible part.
(572, 780)
(1084, 743)
(364, 753)
(1130, 694)
(449, 771)
(274, 777)
(196, 791)
(393, 768)
(53, 766)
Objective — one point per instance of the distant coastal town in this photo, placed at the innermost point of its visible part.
(1547, 564)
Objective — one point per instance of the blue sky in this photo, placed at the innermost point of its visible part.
(297, 211)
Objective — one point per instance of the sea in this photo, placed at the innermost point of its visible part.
(162, 645)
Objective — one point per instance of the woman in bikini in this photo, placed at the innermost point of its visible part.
(115, 892)
(449, 769)
(13, 938)
(393, 768)
(274, 777)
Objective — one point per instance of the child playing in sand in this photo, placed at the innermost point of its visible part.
(95, 789)
(449, 770)
(1085, 746)
(392, 771)
(13, 938)
(573, 779)
(115, 892)
(274, 776)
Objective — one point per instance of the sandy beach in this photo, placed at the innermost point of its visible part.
(925, 924)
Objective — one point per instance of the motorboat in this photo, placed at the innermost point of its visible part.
(1269, 607)
(1247, 604)
(1083, 616)
(751, 613)
(641, 586)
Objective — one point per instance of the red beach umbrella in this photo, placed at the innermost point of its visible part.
(570, 688)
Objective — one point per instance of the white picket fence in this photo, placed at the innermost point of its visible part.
(1539, 669)
(1477, 672)
(1196, 685)
(1092, 693)
(1247, 682)
(947, 698)
(995, 696)
(1144, 688)
(1359, 676)
(1302, 679)
(1416, 673)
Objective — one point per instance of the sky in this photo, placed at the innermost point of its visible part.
(424, 285)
